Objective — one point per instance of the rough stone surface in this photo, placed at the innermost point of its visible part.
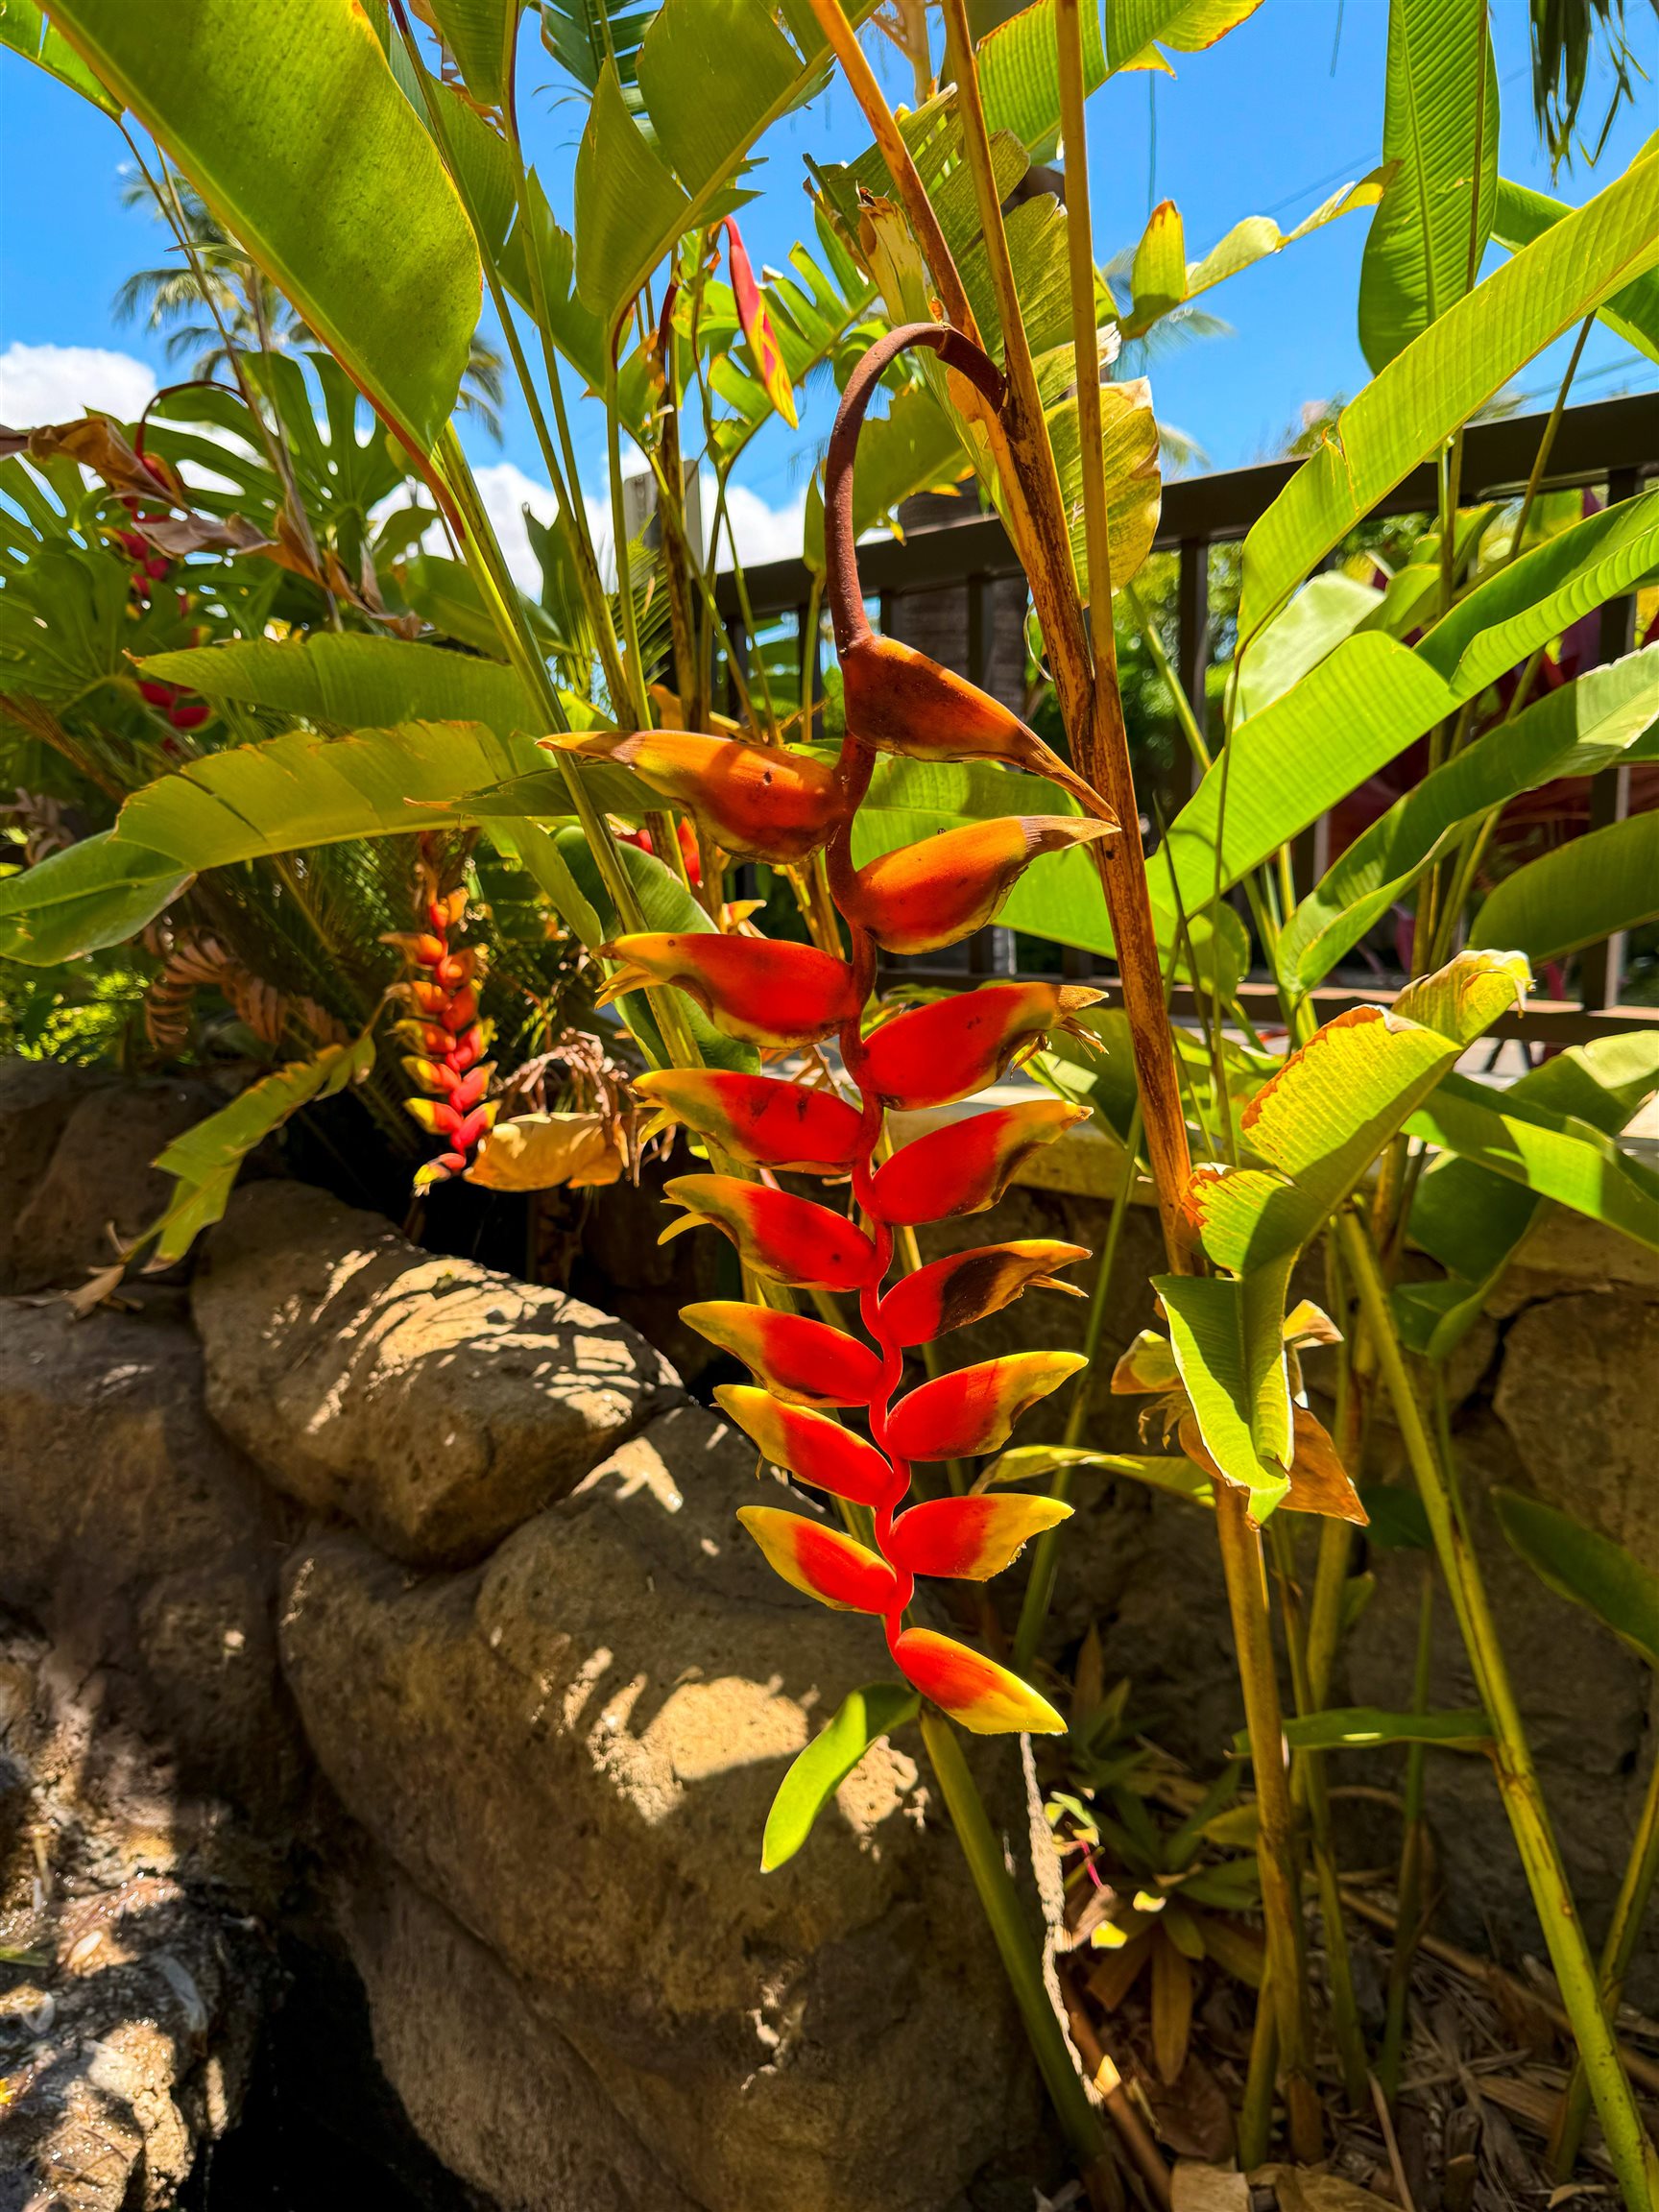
(431, 1402)
(572, 1749)
(142, 1541)
(37, 1099)
(97, 1178)
(127, 2038)
(494, 2089)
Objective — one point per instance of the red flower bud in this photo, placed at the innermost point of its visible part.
(947, 1050)
(763, 993)
(820, 1561)
(966, 1166)
(959, 1416)
(923, 897)
(810, 1446)
(760, 1120)
(974, 1689)
(758, 802)
(970, 1538)
(786, 1239)
(965, 1286)
(801, 1362)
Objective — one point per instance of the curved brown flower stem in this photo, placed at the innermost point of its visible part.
(1089, 704)
(1103, 2071)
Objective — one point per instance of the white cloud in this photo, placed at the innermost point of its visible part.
(763, 533)
(57, 383)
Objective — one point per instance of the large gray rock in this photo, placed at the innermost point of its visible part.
(431, 1402)
(142, 1540)
(488, 2083)
(95, 1188)
(572, 1749)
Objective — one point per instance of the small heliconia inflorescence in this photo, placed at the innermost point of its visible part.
(777, 805)
(447, 1039)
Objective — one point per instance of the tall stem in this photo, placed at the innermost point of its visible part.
(1045, 1552)
(1624, 1932)
(1627, 2145)
(1000, 1901)
(1413, 1848)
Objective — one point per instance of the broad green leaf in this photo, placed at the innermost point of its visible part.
(1226, 1336)
(1586, 1566)
(1473, 1220)
(1397, 1520)
(585, 35)
(1284, 767)
(1440, 125)
(1444, 376)
(1253, 240)
(1580, 893)
(481, 35)
(359, 682)
(1327, 610)
(207, 1159)
(665, 904)
(1158, 273)
(254, 801)
(290, 123)
(537, 852)
(578, 332)
(1555, 1154)
(816, 1773)
(1187, 26)
(1544, 591)
(1576, 730)
(1523, 215)
(1169, 1472)
(99, 892)
(1365, 1728)
(26, 31)
(713, 75)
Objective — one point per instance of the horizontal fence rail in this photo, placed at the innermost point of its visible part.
(1610, 444)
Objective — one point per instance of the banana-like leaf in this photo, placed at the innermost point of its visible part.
(481, 35)
(289, 122)
(26, 31)
(1444, 376)
(255, 801)
(1440, 126)
(713, 75)
(1580, 893)
(1371, 697)
(1575, 730)
(1162, 279)
(1473, 1221)
(1588, 1568)
(817, 1772)
(1366, 1728)
(1169, 1472)
(1523, 215)
(1546, 591)
(207, 1159)
(1327, 610)
(1225, 1331)
(1556, 1155)
(584, 35)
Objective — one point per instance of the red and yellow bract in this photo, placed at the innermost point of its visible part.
(778, 995)
(763, 347)
(449, 1040)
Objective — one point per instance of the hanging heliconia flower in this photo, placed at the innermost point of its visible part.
(763, 345)
(763, 800)
(443, 1028)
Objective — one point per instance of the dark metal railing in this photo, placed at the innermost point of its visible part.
(1611, 443)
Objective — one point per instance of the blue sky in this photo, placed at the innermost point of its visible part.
(1268, 122)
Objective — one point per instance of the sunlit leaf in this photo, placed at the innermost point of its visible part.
(816, 1773)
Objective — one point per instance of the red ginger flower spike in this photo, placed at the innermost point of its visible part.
(448, 1060)
(780, 994)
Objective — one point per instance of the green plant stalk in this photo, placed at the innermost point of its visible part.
(1408, 1891)
(1256, 2113)
(1629, 1909)
(1281, 1892)
(1633, 2157)
(1309, 1788)
(633, 675)
(1000, 1901)
(500, 595)
(1045, 1552)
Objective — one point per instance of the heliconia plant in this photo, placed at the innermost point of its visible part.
(780, 806)
(449, 1041)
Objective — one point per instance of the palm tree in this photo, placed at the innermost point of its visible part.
(220, 298)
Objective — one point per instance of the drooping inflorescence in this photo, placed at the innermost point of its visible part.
(770, 803)
(442, 1026)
